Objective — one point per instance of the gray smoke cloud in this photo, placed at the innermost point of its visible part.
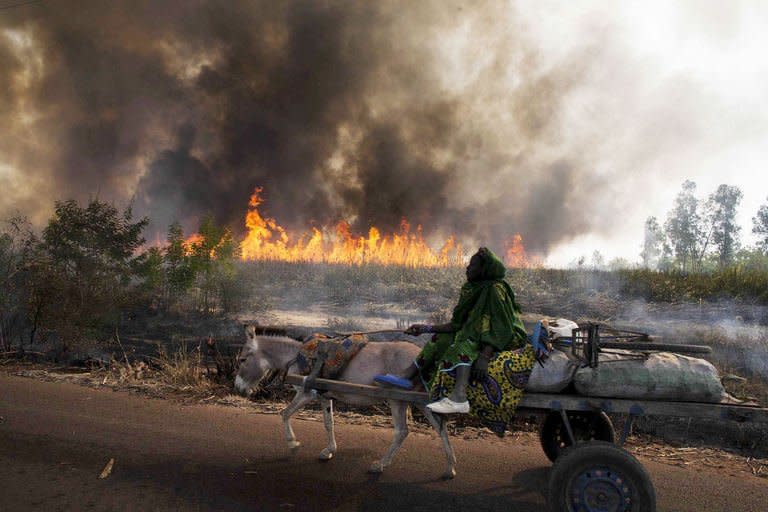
(439, 112)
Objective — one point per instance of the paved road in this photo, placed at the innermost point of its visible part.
(55, 438)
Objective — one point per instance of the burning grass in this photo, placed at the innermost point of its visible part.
(267, 240)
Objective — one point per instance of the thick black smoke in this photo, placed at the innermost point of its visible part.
(337, 109)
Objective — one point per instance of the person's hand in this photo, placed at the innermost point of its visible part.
(418, 329)
(480, 368)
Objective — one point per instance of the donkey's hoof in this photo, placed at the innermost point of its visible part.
(294, 445)
(326, 454)
(377, 467)
(449, 475)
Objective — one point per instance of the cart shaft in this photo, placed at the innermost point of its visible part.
(556, 402)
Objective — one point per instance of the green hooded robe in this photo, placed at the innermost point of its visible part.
(486, 314)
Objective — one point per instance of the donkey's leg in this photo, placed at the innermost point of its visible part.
(327, 405)
(400, 424)
(439, 424)
(300, 400)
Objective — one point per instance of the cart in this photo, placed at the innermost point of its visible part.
(591, 469)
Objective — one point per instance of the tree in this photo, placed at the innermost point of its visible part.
(652, 243)
(179, 272)
(203, 259)
(17, 252)
(721, 216)
(598, 261)
(667, 260)
(760, 227)
(92, 261)
(230, 290)
(211, 254)
(684, 230)
(152, 289)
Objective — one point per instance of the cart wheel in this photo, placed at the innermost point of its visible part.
(599, 477)
(586, 425)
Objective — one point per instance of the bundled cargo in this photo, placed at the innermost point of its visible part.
(651, 376)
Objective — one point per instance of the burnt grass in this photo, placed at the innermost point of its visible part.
(678, 308)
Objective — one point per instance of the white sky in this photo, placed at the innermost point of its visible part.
(679, 91)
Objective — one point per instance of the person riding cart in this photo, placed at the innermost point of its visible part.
(486, 320)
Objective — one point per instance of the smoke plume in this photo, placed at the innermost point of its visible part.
(440, 112)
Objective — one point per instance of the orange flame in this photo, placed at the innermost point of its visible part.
(194, 244)
(515, 255)
(191, 242)
(267, 240)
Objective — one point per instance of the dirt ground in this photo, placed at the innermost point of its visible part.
(222, 452)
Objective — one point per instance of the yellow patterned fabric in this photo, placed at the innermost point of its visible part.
(493, 401)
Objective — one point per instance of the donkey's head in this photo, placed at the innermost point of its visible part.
(260, 358)
(252, 364)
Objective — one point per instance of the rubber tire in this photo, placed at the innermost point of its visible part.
(599, 455)
(554, 438)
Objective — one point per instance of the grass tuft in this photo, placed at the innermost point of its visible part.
(183, 367)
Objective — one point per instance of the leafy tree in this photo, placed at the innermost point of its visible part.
(178, 266)
(652, 243)
(212, 260)
(17, 244)
(91, 264)
(203, 259)
(149, 266)
(9, 301)
(684, 229)
(92, 240)
(721, 216)
(760, 227)
(230, 291)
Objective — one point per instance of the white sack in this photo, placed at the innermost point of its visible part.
(561, 328)
(554, 376)
(660, 376)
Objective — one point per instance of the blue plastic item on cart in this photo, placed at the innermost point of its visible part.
(538, 346)
(393, 380)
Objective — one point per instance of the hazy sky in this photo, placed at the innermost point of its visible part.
(569, 122)
(679, 92)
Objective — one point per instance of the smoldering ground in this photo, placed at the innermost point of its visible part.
(441, 112)
(371, 298)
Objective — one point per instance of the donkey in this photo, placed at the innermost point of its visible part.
(261, 355)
